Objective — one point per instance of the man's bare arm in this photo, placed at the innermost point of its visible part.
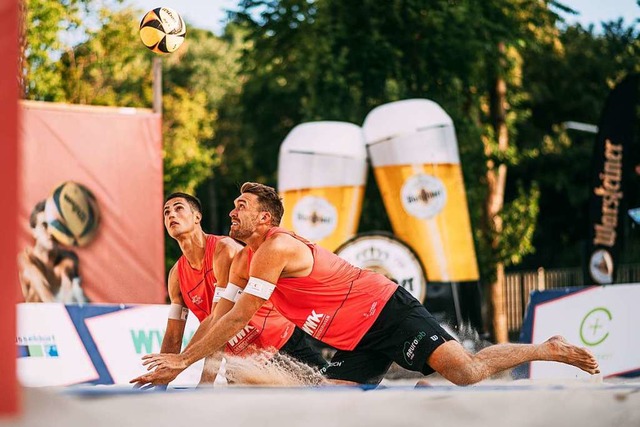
(172, 340)
(268, 264)
(238, 275)
(212, 342)
(226, 250)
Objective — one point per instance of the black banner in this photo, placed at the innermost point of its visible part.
(612, 166)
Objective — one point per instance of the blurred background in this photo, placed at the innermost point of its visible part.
(514, 75)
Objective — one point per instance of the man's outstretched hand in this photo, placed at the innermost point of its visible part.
(164, 367)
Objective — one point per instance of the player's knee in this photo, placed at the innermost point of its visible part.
(455, 364)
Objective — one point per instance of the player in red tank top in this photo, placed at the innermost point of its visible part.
(297, 277)
(193, 284)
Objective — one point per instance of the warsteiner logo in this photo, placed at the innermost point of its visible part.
(423, 196)
(314, 218)
(601, 266)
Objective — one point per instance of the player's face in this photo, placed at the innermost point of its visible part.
(179, 218)
(41, 233)
(244, 217)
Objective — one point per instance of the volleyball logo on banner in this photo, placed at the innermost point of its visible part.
(72, 213)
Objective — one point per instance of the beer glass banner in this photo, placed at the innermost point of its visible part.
(414, 153)
(321, 177)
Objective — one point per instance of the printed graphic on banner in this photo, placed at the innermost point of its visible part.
(612, 168)
(50, 351)
(314, 218)
(123, 337)
(49, 271)
(322, 170)
(414, 154)
(600, 319)
(423, 196)
(388, 256)
(81, 212)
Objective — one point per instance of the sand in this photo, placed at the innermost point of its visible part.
(396, 403)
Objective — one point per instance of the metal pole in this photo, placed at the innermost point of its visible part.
(157, 84)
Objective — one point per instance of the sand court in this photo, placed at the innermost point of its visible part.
(614, 402)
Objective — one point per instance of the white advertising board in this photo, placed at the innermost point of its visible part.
(602, 319)
(124, 336)
(50, 352)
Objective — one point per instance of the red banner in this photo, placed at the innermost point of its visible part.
(115, 153)
(10, 401)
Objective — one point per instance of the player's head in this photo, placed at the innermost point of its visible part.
(39, 226)
(268, 200)
(182, 213)
(258, 205)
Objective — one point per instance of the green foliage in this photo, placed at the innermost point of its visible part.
(229, 101)
(569, 82)
(333, 60)
(521, 215)
(42, 23)
(187, 162)
(109, 68)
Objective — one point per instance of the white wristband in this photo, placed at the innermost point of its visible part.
(232, 292)
(217, 294)
(178, 312)
(260, 288)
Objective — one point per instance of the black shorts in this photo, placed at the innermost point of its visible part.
(301, 346)
(405, 333)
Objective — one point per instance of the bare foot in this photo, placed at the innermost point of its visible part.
(559, 349)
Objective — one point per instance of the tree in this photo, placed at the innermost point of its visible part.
(40, 45)
(109, 66)
(570, 83)
(335, 60)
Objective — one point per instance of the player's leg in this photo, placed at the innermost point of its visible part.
(419, 343)
(302, 348)
(460, 367)
(356, 367)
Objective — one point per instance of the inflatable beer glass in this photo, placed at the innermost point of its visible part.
(414, 153)
(321, 177)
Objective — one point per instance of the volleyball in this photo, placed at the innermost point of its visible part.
(72, 214)
(162, 30)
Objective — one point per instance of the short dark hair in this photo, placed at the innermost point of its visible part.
(268, 198)
(39, 207)
(193, 201)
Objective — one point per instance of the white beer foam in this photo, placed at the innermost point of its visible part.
(410, 132)
(322, 154)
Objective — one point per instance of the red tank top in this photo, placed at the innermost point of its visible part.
(336, 303)
(267, 329)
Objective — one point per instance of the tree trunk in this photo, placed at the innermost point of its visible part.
(212, 214)
(496, 180)
(499, 320)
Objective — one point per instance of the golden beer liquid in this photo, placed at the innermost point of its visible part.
(347, 201)
(443, 242)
